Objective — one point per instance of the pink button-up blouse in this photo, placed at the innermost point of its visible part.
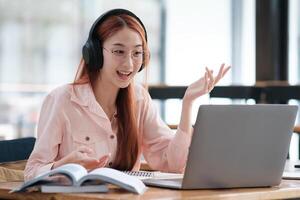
(71, 117)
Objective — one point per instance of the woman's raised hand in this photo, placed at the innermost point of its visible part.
(205, 84)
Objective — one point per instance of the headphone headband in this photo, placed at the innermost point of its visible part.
(115, 12)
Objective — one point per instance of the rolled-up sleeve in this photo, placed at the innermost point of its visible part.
(49, 134)
(163, 149)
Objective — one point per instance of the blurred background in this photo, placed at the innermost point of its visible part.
(41, 41)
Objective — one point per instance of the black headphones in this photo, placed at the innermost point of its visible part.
(92, 49)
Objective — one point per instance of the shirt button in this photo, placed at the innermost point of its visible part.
(87, 138)
(112, 136)
(110, 164)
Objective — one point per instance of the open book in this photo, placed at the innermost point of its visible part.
(82, 181)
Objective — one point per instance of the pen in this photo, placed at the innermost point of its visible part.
(297, 166)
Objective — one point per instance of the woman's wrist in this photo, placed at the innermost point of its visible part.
(187, 105)
(185, 121)
(187, 101)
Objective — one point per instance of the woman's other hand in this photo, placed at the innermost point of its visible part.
(205, 84)
(82, 157)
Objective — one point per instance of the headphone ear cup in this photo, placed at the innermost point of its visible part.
(143, 65)
(141, 68)
(92, 54)
(97, 54)
(86, 53)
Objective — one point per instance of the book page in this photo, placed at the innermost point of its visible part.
(74, 171)
(116, 177)
(71, 171)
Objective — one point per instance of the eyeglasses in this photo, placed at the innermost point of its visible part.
(121, 54)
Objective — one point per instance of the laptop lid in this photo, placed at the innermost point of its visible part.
(239, 146)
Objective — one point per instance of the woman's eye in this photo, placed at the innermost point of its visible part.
(137, 53)
(118, 52)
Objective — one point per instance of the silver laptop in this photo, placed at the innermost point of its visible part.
(236, 146)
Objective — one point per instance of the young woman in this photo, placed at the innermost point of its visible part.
(103, 118)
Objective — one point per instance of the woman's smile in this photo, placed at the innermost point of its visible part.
(124, 75)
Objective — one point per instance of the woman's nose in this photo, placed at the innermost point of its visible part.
(129, 61)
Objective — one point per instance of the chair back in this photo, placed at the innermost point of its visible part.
(16, 149)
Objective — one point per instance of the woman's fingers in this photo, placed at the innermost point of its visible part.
(104, 158)
(85, 149)
(85, 158)
(90, 163)
(93, 163)
(206, 82)
(225, 71)
(220, 73)
(210, 80)
(103, 161)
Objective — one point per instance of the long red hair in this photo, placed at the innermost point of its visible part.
(128, 142)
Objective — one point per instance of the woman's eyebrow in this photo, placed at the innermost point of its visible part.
(119, 44)
(122, 45)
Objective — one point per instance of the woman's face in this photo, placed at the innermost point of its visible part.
(123, 57)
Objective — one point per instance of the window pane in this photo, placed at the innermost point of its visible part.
(207, 33)
(40, 48)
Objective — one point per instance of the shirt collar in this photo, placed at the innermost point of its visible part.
(83, 95)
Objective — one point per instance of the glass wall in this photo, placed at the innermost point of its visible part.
(41, 41)
(207, 33)
(294, 62)
(40, 48)
(294, 42)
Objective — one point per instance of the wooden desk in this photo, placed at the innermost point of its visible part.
(287, 189)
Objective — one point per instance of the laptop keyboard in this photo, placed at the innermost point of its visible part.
(140, 174)
(154, 175)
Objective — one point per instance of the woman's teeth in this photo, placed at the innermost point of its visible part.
(123, 75)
